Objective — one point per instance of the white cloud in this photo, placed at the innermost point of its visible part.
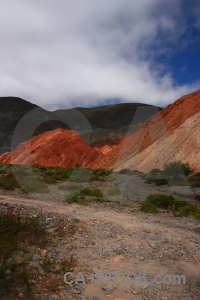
(81, 52)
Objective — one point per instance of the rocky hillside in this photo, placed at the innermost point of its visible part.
(100, 126)
(61, 148)
(106, 125)
(12, 110)
(171, 134)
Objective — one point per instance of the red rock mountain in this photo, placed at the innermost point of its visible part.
(172, 134)
(60, 147)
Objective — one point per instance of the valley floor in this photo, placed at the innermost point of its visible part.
(112, 237)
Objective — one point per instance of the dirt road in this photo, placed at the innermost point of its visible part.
(121, 239)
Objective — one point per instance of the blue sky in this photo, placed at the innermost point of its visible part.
(185, 63)
(87, 53)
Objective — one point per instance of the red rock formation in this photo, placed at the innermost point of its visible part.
(173, 133)
(106, 145)
(60, 147)
(157, 128)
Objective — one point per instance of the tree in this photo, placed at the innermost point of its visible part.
(177, 169)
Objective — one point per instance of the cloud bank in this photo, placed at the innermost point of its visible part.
(80, 53)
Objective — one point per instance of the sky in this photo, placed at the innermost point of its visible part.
(64, 53)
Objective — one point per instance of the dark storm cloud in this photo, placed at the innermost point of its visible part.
(81, 52)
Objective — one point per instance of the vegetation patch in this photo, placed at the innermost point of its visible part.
(84, 196)
(75, 197)
(113, 191)
(179, 206)
(131, 172)
(157, 181)
(194, 180)
(174, 173)
(92, 192)
(8, 181)
(32, 185)
(16, 235)
(100, 175)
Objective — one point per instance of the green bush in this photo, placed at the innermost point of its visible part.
(161, 201)
(194, 180)
(124, 171)
(182, 207)
(195, 184)
(189, 210)
(8, 182)
(157, 181)
(92, 192)
(113, 191)
(179, 203)
(80, 175)
(79, 197)
(75, 197)
(177, 169)
(100, 175)
(149, 207)
(51, 175)
(155, 172)
(34, 185)
(14, 231)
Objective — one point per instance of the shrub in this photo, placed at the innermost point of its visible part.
(157, 181)
(161, 201)
(80, 175)
(34, 185)
(124, 171)
(189, 210)
(75, 197)
(9, 182)
(79, 196)
(194, 180)
(178, 205)
(92, 192)
(113, 191)
(195, 184)
(100, 175)
(52, 174)
(177, 169)
(14, 231)
(155, 172)
(149, 207)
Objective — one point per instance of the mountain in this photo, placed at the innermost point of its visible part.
(34, 121)
(59, 147)
(101, 127)
(172, 134)
(104, 127)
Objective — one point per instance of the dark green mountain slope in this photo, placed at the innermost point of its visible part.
(20, 120)
(107, 122)
(12, 110)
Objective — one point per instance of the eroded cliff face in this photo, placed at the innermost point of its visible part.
(60, 147)
(160, 139)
